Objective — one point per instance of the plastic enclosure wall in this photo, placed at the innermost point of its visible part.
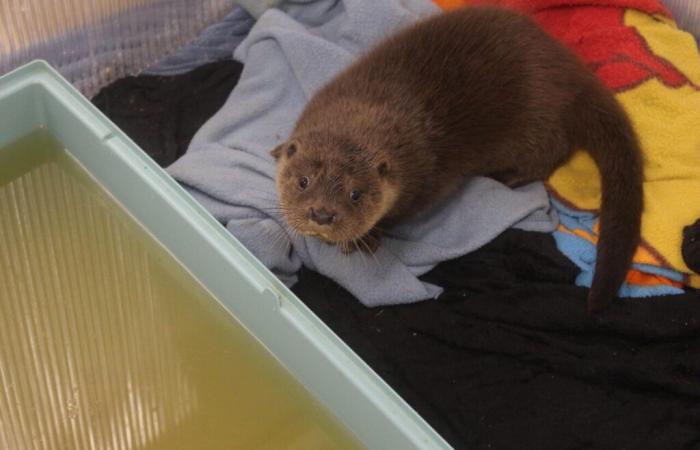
(36, 96)
(94, 42)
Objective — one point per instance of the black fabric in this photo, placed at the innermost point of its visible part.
(161, 114)
(508, 358)
(691, 246)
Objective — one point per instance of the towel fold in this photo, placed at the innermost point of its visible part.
(288, 55)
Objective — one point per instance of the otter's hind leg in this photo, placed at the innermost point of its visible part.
(541, 159)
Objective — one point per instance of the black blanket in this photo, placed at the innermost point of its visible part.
(161, 114)
(508, 358)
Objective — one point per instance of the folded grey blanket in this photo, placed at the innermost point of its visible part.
(288, 55)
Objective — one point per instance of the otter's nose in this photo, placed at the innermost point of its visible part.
(321, 216)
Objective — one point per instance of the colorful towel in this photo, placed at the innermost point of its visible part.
(653, 67)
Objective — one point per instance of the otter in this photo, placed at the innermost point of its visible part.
(478, 91)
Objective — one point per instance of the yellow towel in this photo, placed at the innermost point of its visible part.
(667, 120)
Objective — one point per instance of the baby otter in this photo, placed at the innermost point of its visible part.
(479, 91)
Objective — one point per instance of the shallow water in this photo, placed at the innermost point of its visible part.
(106, 342)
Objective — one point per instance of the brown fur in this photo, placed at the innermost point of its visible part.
(474, 92)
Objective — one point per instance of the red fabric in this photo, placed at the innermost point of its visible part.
(595, 30)
(534, 6)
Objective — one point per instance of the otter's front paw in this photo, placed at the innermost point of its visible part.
(369, 243)
(347, 248)
(365, 247)
(369, 246)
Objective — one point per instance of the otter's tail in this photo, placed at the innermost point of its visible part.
(601, 126)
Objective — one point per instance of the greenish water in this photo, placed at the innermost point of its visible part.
(106, 342)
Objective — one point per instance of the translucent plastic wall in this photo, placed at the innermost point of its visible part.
(687, 14)
(93, 42)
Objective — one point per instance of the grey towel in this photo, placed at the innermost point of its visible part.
(288, 55)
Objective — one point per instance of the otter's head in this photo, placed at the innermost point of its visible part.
(331, 188)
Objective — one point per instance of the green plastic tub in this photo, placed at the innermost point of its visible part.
(35, 96)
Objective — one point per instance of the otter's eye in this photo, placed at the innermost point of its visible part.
(355, 195)
(303, 183)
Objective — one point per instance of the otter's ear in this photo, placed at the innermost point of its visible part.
(277, 151)
(383, 169)
(290, 149)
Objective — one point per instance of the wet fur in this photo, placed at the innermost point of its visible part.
(477, 91)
